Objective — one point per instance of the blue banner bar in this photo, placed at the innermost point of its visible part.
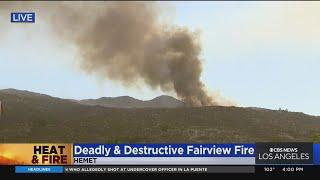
(316, 154)
(164, 150)
(39, 169)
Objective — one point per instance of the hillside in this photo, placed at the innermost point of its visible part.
(32, 117)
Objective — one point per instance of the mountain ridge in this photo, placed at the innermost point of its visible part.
(162, 101)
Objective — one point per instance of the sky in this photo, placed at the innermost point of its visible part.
(258, 54)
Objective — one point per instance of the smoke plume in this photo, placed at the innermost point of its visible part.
(125, 41)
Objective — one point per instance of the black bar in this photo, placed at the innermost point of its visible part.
(159, 169)
(259, 170)
(288, 169)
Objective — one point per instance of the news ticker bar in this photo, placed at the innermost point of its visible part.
(160, 154)
(134, 169)
(138, 169)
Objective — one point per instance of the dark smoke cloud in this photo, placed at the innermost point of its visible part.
(125, 41)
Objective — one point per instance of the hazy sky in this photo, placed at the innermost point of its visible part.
(263, 54)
